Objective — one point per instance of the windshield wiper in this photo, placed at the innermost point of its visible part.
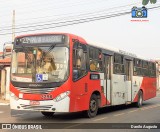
(48, 51)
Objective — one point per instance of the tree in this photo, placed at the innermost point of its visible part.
(145, 2)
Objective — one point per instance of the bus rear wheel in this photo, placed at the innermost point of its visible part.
(140, 99)
(93, 107)
(47, 114)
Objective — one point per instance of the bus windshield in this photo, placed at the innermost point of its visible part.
(40, 64)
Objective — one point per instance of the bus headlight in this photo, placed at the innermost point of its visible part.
(61, 96)
(14, 96)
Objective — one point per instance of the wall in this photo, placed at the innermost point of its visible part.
(5, 83)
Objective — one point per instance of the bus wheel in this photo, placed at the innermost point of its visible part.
(140, 99)
(93, 107)
(47, 114)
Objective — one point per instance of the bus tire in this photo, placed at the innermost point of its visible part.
(47, 114)
(140, 99)
(93, 107)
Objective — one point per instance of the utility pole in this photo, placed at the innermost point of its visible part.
(13, 26)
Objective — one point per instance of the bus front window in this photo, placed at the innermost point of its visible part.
(40, 64)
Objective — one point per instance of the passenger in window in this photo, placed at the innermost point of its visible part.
(39, 54)
(78, 63)
(93, 66)
(39, 60)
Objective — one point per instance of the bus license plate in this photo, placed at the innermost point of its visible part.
(34, 103)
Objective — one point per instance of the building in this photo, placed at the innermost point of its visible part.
(5, 63)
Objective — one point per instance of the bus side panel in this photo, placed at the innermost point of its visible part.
(146, 84)
(82, 91)
(149, 88)
(79, 95)
(136, 85)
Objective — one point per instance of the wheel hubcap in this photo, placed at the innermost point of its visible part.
(93, 105)
(140, 100)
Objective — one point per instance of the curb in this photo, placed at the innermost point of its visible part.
(4, 103)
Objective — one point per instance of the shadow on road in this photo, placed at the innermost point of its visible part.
(72, 117)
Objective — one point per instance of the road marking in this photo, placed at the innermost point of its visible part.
(100, 119)
(1, 112)
(150, 107)
(157, 97)
(20, 114)
(132, 111)
(72, 126)
(119, 114)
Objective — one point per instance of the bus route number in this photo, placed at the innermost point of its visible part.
(46, 96)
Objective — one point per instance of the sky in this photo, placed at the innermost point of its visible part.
(39, 16)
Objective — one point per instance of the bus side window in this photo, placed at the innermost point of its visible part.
(118, 64)
(95, 60)
(79, 61)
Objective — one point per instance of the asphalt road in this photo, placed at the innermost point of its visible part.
(148, 113)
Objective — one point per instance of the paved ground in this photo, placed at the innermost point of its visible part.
(149, 113)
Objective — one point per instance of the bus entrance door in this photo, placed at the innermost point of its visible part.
(128, 80)
(107, 78)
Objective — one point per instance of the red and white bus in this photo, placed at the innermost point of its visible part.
(61, 72)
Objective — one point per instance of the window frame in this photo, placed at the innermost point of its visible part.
(95, 57)
(119, 63)
(152, 69)
(79, 45)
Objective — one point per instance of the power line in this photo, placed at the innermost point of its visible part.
(65, 5)
(47, 24)
(75, 22)
(78, 21)
(67, 17)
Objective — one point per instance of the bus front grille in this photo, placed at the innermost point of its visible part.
(35, 90)
(36, 107)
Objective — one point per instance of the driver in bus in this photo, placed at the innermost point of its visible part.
(49, 65)
(45, 64)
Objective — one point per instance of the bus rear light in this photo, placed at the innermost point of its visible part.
(61, 96)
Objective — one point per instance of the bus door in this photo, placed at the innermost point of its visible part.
(107, 78)
(118, 82)
(128, 80)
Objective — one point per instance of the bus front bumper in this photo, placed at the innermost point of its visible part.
(45, 105)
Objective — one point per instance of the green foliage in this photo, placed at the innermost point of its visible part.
(153, 1)
(145, 2)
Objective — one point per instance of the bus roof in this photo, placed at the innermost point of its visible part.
(98, 45)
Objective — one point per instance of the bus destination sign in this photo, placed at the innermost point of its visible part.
(41, 39)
